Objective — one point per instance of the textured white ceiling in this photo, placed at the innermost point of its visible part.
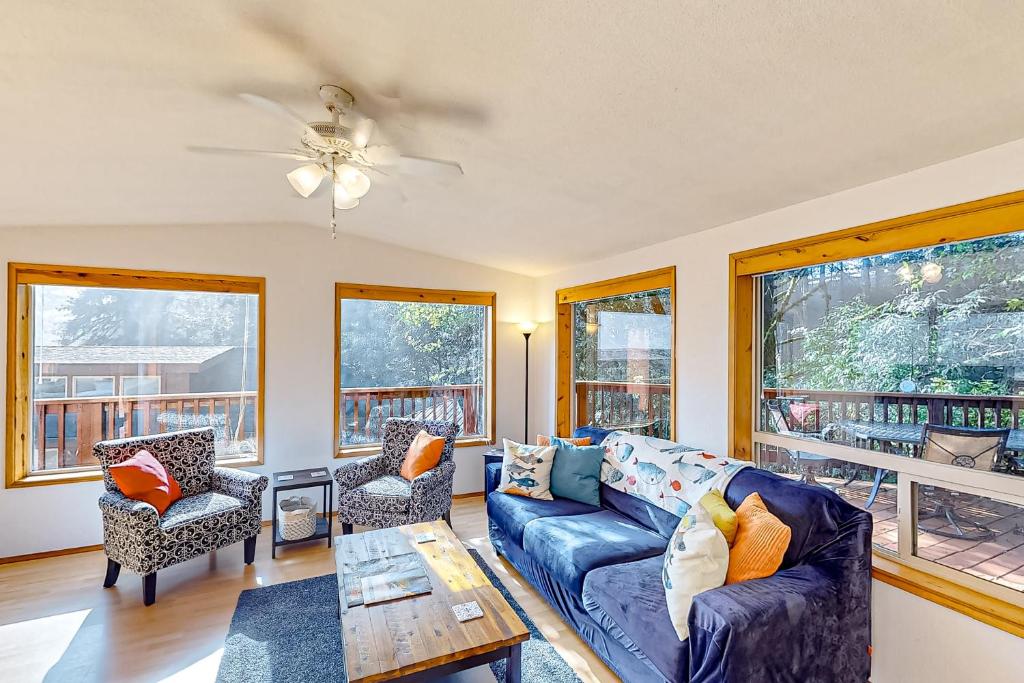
(584, 128)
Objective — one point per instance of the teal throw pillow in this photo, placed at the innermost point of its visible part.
(576, 474)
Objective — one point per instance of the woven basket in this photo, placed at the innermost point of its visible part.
(296, 517)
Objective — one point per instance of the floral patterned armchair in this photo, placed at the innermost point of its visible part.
(371, 492)
(219, 507)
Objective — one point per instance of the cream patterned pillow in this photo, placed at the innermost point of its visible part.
(697, 559)
(526, 470)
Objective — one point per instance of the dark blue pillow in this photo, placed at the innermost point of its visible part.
(576, 472)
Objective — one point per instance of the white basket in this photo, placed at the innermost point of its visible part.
(296, 518)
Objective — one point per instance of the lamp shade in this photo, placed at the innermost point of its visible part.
(342, 199)
(527, 327)
(305, 179)
(355, 182)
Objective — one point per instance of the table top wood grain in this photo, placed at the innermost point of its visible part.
(389, 640)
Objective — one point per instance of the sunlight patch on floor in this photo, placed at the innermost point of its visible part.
(203, 670)
(32, 664)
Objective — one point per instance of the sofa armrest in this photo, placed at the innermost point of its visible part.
(431, 480)
(246, 486)
(358, 471)
(492, 478)
(809, 622)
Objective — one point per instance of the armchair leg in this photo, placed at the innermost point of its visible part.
(113, 570)
(149, 589)
(448, 517)
(250, 549)
(346, 528)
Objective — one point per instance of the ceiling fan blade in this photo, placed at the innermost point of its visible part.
(282, 112)
(297, 156)
(435, 168)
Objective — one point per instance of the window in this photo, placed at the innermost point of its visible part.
(140, 385)
(422, 353)
(51, 387)
(616, 341)
(92, 385)
(146, 352)
(887, 364)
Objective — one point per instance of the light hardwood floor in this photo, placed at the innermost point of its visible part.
(58, 624)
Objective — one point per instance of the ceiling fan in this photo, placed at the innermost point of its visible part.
(338, 149)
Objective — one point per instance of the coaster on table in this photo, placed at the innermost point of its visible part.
(467, 611)
(286, 477)
(320, 473)
(425, 537)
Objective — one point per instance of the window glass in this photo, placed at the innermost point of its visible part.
(622, 362)
(865, 351)
(868, 488)
(974, 534)
(412, 359)
(140, 361)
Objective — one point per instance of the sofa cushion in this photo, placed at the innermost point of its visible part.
(646, 515)
(513, 513)
(628, 600)
(569, 547)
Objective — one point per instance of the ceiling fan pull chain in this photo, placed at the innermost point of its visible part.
(334, 222)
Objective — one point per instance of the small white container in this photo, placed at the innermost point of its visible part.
(296, 517)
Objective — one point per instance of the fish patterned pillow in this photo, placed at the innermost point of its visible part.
(526, 470)
(696, 560)
(664, 473)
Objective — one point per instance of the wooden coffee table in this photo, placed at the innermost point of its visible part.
(418, 638)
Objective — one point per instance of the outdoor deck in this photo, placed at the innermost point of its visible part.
(1000, 559)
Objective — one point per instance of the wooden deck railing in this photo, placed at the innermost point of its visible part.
(364, 409)
(958, 410)
(637, 407)
(66, 428)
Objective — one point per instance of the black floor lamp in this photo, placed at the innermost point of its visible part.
(527, 328)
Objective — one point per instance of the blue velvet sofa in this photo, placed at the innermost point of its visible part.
(600, 567)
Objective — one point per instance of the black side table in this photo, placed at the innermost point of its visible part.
(304, 479)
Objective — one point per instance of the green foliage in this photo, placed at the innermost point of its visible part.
(392, 344)
(870, 324)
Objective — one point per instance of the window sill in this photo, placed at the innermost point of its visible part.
(997, 613)
(83, 475)
(369, 449)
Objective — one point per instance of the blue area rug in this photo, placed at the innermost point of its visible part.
(290, 632)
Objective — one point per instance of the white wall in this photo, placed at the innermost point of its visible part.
(301, 266)
(908, 631)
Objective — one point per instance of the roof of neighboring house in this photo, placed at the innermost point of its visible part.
(95, 355)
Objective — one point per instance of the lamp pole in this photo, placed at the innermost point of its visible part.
(526, 392)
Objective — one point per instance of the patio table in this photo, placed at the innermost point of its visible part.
(906, 433)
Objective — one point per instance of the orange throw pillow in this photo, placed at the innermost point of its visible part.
(142, 477)
(546, 441)
(761, 542)
(424, 453)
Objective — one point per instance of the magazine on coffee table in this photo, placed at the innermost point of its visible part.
(385, 578)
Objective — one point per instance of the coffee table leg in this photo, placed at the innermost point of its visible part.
(514, 664)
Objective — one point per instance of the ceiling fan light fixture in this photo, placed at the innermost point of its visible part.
(305, 179)
(342, 199)
(355, 182)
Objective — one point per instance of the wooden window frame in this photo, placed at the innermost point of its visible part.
(978, 219)
(343, 290)
(19, 361)
(662, 278)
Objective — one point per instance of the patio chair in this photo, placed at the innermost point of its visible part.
(974, 448)
(807, 464)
